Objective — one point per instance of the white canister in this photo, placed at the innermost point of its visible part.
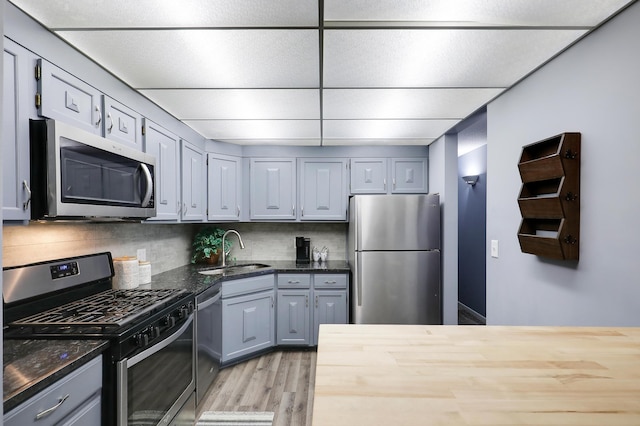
(126, 273)
(144, 269)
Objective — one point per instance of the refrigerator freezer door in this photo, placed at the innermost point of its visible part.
(397, 288)
(395, 222)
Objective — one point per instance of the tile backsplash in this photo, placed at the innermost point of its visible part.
(167, 245)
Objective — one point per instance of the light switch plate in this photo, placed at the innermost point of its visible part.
(494, 248)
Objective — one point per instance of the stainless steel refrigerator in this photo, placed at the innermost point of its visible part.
(394, 253)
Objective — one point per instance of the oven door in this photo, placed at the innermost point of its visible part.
(154, 384)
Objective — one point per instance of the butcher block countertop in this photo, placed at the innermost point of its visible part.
(475, 375)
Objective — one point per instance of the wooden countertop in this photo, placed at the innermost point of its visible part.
(476, 375)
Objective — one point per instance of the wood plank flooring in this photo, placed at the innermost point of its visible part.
(281, 381)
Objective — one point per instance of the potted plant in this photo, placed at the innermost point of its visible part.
(207, 245)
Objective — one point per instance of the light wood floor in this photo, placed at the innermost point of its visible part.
(280, 381)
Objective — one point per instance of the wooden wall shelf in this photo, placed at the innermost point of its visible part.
(549, 197)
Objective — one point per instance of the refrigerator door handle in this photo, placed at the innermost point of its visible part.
(358, 282)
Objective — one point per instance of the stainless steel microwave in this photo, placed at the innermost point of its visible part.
(78, 175)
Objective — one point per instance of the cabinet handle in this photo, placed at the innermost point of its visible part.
(384, 184)
(316, 301)
(48, 411)
(293, 209)
(394, 183)
(329, 282)
(110, 123)
(271, 301)
(302, 211)
(238, 211)
(306, 301)
(25, 185)
(293, 282)
(99, 116)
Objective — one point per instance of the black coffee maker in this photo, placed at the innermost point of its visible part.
(303, 250)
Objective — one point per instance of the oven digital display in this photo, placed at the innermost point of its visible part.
(64, 270)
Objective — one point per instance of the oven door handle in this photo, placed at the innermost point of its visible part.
(210, 301)
(159, 346)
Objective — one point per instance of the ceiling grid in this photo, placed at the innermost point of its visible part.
(321, 72)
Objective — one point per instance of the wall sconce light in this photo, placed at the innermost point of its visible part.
(471, 179)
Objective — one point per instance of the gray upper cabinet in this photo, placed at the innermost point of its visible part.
(61, 96)
(18, 106)
(323, 189)
(272, 189)
(193, 183)
(163, 145)
(224, 187)
(122, 124)
(409, 175)
(368, 175)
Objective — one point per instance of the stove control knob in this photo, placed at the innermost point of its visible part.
(142, 340)
(170, 321)
(155, 332)
(184, 312)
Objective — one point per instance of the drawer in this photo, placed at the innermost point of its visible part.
(330, 280)
(294, 280)
(246, 285)
(81, 386)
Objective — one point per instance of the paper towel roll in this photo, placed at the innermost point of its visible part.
(126, 273)
(144, 271)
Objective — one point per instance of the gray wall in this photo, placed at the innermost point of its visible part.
(472, 216)
(592, 88)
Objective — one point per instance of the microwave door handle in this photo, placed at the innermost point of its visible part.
(149, 192)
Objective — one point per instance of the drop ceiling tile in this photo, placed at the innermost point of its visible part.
(171, 13)
(404, 103)
(204, 58)
(385, 129)
(228, 130)
(437, 58)
(471, 12)
(238, 103)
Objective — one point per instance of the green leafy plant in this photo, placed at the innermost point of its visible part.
(208, 242)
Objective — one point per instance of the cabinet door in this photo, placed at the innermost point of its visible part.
(224, 187)
(272, 189)
(193, 183)
(409, 175)
(122, 124)
(323, 189)
(69, 99)
(368, 175)
(163, 145)
(293, 323)
(248, 324)
(330, 307)
(19, 87)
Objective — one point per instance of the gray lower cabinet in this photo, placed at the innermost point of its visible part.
(307, 300)
(18, 85)
(73, 400)
(248, 316)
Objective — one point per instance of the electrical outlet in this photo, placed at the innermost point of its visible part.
(494, 248)
(141, 254)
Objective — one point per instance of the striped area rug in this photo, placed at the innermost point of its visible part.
(235, 418)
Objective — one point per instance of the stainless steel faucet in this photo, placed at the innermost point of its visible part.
(224, 255)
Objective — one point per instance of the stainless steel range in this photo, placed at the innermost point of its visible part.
(149, 370)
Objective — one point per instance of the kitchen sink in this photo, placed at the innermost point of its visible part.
(234, 269)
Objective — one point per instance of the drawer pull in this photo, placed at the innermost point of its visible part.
(48, 411)
(330, 282)
(293, 282)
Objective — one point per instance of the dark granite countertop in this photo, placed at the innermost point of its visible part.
(188, 276)
(29, 366)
